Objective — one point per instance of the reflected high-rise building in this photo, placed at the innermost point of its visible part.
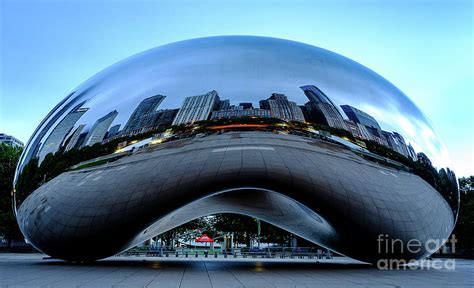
(240, 113)
(354, 129)
(358, 130)
(390, 140)
(101, 126)
(401, 144)
(396, 142)
(246, 105)
(321, 109)
(377, 135)
(73, 140)
(364, 132)
(152, 121)
(33, 147)
(369, 122)
(281, 108)
(315, 94)
(244, 109)
(81, 140)
(147, 106)
(197, 108)
(114, 130)
(411, 152)
(159, 118)
(359, 116)
(59, 133)
(224, 104)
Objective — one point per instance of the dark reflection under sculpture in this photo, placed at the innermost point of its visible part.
(298, 136)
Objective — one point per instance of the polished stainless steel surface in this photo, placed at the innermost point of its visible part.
(266, 127)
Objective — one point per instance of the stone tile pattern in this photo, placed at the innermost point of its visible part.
(32, 271)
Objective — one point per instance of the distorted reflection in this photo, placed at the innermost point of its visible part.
(205, 114)
(207, 87)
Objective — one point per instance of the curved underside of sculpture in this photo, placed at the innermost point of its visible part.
(320, 191)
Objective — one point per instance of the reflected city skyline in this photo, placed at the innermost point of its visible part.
(148, 116)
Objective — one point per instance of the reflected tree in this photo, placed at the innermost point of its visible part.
(9, 156)
(464, 230)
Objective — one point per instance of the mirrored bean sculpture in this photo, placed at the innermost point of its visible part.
(292, 134)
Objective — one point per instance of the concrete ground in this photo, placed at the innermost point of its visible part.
(31, 270)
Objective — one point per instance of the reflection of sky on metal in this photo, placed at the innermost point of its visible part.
(249, 69)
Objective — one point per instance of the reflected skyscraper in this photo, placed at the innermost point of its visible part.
(411, 152)
(364, 132)
(57, 136)
(401, 145)
(81, 140)
(281, 108)
(159, 118)
(371, 125)
(139, 116)
(197, 108)
(394, 140)
(73, 140)
(377, 135)
(101, 126)
(34, 144)
(246, 105)
(391, 142)
(114, 130)
(355, 129)
(224, 104)
(321, 109)
(239, 113)
(359, 116)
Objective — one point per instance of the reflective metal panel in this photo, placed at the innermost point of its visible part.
(259, 126)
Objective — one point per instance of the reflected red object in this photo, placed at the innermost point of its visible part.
(205, 238)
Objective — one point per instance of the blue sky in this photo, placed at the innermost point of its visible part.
(423, 47)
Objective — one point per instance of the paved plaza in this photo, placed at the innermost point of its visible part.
(32, 270)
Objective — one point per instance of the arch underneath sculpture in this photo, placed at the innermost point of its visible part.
(270, 206)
